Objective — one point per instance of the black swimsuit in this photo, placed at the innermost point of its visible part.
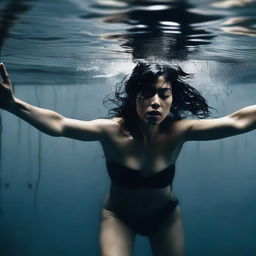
(127, 177)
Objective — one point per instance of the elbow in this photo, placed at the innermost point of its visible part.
(245, 118)
(57, 128)
(238, 123)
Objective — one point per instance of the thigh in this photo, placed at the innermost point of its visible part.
(169, 240)
(116, 238)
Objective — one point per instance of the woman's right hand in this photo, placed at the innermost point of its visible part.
(6, 91)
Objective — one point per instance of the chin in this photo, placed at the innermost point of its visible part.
(153, 121)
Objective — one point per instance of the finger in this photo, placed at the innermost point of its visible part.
(4, 73)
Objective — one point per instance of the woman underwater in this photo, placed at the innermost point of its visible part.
(141, 143)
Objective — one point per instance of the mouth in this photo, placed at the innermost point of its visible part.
(154, 113)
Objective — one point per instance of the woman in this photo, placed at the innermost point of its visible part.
(141, 144)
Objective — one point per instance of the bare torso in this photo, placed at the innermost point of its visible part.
(148, 158)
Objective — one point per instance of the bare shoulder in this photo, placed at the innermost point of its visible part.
(107, 124)
(117, 119)
(186, 125)
(112, 126)
(182, 125)
(114, 122)
(178, 129)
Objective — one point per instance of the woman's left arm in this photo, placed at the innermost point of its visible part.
(241, 121)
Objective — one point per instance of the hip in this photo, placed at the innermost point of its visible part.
(137, 206)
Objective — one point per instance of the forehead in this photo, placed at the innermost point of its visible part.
(162, 83)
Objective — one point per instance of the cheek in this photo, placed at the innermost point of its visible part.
(168, 104)
(141, 104)
(141, 108)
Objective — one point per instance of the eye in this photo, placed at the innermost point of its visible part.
(165, 92)
(148, 93)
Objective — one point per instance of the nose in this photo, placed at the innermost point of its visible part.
(155, 103)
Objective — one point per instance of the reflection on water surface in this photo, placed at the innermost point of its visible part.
(74, 31)
(165, 31)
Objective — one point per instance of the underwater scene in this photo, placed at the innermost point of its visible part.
(67, 55)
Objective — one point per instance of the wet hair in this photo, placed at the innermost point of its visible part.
(186, 99)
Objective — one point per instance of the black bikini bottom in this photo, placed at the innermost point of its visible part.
(148, 224)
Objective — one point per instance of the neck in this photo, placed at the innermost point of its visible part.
(148, 132)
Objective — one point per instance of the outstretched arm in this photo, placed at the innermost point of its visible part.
(241, 121)
(46, 120)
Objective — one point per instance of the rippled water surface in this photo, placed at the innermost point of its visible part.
(58, 37)
(75, 31)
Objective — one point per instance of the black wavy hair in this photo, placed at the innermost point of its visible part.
(186, 99)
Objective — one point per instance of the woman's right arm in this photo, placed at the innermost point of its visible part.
(48, 121)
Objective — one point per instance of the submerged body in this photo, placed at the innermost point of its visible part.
(147, 160)
(146, 204)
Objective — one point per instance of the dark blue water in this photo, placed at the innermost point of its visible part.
(66, 56)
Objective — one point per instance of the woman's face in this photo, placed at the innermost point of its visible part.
(153, 104)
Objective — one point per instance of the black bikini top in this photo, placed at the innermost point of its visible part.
(128, 177)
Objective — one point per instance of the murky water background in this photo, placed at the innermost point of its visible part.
(66, 56)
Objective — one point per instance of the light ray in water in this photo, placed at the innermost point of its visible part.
(39, 158)
(39, 154)
(29, 183)
(74, 110)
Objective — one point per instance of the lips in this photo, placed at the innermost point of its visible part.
(154, 113)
